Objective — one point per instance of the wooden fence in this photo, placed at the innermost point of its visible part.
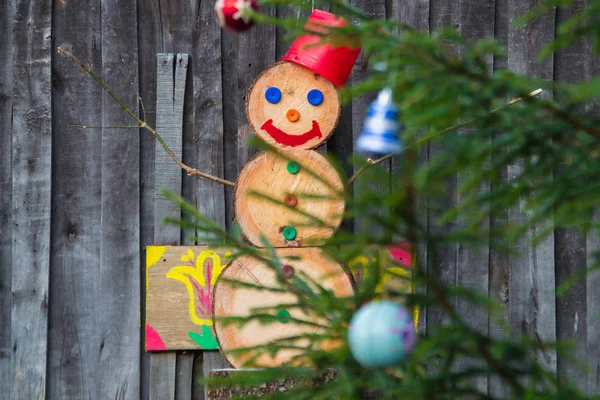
(78, 207)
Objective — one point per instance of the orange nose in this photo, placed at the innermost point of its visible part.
(292, 115)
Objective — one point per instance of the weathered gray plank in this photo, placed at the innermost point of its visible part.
(197, 387)
(6, 91)
(360, 72)
(416, 15)
(76, 217)
(168, 27)
(162, 376)
(208, 140)
(499, 271)
(472, 265)
(442, 13)
(185, 360)
(169, 127)
(208, 119)
(531, 303)
(301, 14)
(170, 90)
(572, 64)
(593, 320)
(31, 203)
(593, 298)
(231, 93)
(256, 53)
(184, 375)
(117, 319)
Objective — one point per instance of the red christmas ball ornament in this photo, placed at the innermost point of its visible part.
(235, 15)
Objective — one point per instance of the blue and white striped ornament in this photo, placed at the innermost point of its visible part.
(381, 133)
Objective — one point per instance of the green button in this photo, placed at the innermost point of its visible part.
(283, 316)
(289, 233)
(293, 167)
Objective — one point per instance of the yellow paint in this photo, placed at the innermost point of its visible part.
(153, 255)
(388, 274)
(184, 273)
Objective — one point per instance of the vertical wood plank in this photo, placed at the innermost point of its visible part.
(171, 30)
(416, 15)
(31, 203)
(443, 13)
(169, 126)
(499, 271)
(593, 312)
(301, 13)
(231, 92)
(360, 72)
(118, 315)
(593, 297)
(531, 303)
(472, 265)
(256, 53)
(340, 143)
(167, 175)
(572, 64)
(162, 376)
(6, 91)
(208, 144)
(184, 360)
(76, 198)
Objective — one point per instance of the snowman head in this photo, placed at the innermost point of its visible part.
(295, 102)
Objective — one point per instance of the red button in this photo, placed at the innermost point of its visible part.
(290, 200)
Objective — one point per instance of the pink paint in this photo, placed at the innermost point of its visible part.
(204, 296)
(153, 340)
(402, 253)
(291, 140)
(201, 296)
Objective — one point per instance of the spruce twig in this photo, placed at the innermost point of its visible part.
(370, 162)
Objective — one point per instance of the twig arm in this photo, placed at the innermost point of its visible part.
(142, 124)
(370, 162)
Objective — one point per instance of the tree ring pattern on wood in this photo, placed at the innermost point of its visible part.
(265, 181)
(231, 300)
(292, 121)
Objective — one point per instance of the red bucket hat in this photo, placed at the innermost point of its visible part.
(334, 63)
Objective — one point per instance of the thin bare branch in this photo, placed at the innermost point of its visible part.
(142, 124)
(370, 162)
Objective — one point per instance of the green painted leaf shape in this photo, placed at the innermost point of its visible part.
(206, 340)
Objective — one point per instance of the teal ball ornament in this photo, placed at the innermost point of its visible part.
(381, 334)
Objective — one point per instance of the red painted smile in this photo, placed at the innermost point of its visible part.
(291, 140)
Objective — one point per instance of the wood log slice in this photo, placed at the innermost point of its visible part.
(270, 212)
(230, 300)
(292, 117)
(222, 392)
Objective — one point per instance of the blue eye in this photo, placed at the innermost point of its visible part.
(273, 95)
(315, 97)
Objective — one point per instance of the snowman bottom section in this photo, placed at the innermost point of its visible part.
(231, 300)
(293, 198)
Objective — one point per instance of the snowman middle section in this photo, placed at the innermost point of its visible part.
(292, 198)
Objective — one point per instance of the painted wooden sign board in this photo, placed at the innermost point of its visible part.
(179, 290)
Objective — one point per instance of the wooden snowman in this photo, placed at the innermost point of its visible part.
(287, 197)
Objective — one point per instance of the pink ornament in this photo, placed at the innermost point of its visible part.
(235, 15)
